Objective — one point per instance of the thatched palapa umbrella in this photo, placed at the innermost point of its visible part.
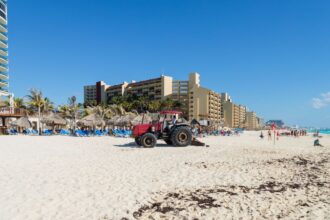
(92, 120)
(22, 123)
(125, 120)
(113, 120)
(138, 119)
(54, 119)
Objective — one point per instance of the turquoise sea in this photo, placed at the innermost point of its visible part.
(322, 131)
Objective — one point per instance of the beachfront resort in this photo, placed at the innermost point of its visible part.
(159, 148)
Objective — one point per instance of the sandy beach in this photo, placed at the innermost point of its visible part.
(239, 177)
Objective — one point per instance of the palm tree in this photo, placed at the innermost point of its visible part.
(48, 106)
(167, 104)
(18, 103)
(106, 111)
(154, 106)
(37, 103)
(71, 110)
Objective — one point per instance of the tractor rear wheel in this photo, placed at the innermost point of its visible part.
(148, 140)
(181, 136)
(138, 141)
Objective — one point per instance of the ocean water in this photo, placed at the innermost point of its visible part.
(327, 131)
(322, 131)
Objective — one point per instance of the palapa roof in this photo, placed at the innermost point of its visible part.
(22, 122)
(54, 119)
(138, 119)
(91, 120)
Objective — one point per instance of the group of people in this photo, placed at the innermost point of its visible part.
(270, 135)
(297, 133)
(278, 134)
(203, 131)
(293, 133)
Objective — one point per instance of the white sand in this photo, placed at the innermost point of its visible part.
(102, 178)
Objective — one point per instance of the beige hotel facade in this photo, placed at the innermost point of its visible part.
(197, 102)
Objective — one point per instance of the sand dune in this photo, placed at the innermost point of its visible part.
(109, 178)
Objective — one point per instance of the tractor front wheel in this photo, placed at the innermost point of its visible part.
(181, 137)
(148, 140)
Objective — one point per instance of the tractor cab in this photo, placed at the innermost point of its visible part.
(169, 118)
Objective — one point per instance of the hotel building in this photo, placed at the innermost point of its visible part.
(204, 104)
(180, 91)
(95, 93)
(251, 120)
(234, 115)
(153, 89)
(196, 101)
(3, 49)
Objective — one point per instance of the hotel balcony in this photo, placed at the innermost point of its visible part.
(3, 19)
(3, 68)
(3, 75)
(3, 60)
(3, 28)
(3, 36)
(3, 83)
(3, 44)
(4, 91)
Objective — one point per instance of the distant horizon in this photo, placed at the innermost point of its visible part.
(270, 56)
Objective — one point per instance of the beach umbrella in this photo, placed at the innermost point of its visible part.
(113, 120)
(92, 120)
(125, 120)
(138, 119)
(54, 119)
(22, 122)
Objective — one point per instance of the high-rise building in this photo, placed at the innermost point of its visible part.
(251, 120)
(3, 49)
(196, 102)
(153, 89)
(95, 93)
(204, 104)
(234, 115)
(180, 92)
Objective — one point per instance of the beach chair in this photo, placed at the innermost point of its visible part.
(80, 133)
(64, 132)
(12, 132)
(47, 132)
(105, 132)
(98, 133)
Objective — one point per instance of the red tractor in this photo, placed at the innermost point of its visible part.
(168, 128)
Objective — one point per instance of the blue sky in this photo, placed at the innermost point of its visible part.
(272, 56)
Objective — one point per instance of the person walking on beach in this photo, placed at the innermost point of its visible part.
(269, 135)
(261, 135)
(278, 135)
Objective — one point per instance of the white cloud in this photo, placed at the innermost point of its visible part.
(322, 101)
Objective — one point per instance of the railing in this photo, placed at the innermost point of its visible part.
(4, 42)
(4, 65)
(3, 81)
(4, 73)
(4, 50)
(4, 26)
(4, 57)
(8, 111)
(3, 90)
